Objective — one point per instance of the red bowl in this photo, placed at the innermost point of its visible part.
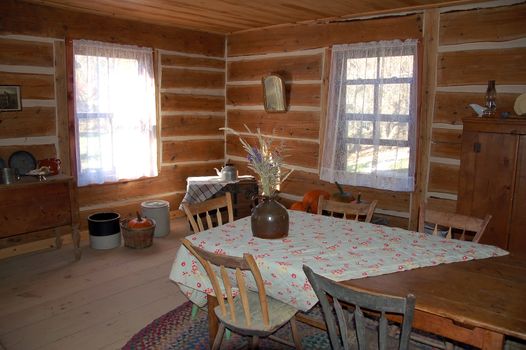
(52, 163)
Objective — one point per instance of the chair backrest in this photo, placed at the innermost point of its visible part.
(223, 262)
(195, 211)
(348, 210)
(340, 318)
(452, 221)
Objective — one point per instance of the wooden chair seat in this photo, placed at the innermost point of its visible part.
(279, 314)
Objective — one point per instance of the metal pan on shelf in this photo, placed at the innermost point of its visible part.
(22, 161)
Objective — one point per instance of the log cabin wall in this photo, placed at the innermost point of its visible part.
(30, 63)
(301, 55)
(190, 76)
(462, 48)
(473, 46)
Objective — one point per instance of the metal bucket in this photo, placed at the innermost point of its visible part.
(159, 211)
(8, 176)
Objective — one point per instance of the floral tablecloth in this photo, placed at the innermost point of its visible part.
(336, 248)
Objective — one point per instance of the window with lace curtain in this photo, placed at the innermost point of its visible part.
(370, 137)
(115, 112)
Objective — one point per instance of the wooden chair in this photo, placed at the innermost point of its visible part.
(348, 210)
(452, 221)
(249, 313)
(195, 211)
(342, 333)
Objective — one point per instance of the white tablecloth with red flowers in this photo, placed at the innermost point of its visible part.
(336, 248)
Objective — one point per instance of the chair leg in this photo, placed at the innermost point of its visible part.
(219, 337)
(254, 344)
(195, 310)
(295, 334)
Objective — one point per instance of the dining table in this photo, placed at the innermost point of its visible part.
(465, 291)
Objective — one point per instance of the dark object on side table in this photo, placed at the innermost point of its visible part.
(244, 193)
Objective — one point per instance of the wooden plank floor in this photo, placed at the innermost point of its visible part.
(49, 301)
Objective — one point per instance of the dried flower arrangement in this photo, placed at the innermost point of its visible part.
(265, 160)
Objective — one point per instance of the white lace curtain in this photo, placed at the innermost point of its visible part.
(115, 112)
(370, 137)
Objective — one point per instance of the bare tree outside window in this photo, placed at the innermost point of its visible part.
(370, 137)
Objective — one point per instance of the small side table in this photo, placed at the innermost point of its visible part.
(243, 191)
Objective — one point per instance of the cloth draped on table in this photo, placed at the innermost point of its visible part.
(201, 188)
(336, 248)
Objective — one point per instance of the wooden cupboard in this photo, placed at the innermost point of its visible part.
(493, 179)
(35, 215)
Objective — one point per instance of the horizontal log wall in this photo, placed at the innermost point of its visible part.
(29, 62)
(191, 85)
(192, 104)
(474, 46)
(300, 55)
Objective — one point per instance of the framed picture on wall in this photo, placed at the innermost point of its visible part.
(10, 99)
(274, 94)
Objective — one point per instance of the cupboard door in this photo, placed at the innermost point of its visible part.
(38, 207)
(487, 175)
(517, 241)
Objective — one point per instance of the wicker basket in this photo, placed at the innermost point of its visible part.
(137, 238)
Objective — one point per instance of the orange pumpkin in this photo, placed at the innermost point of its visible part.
(310, 200)
(297, 206)
(139, 222)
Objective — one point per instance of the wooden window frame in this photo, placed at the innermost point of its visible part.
(376, 117)
(70, 74)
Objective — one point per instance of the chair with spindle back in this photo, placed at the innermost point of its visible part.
(343, 309)
(195, 211)
(247, 313)
(452, 221)
(351, 210)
